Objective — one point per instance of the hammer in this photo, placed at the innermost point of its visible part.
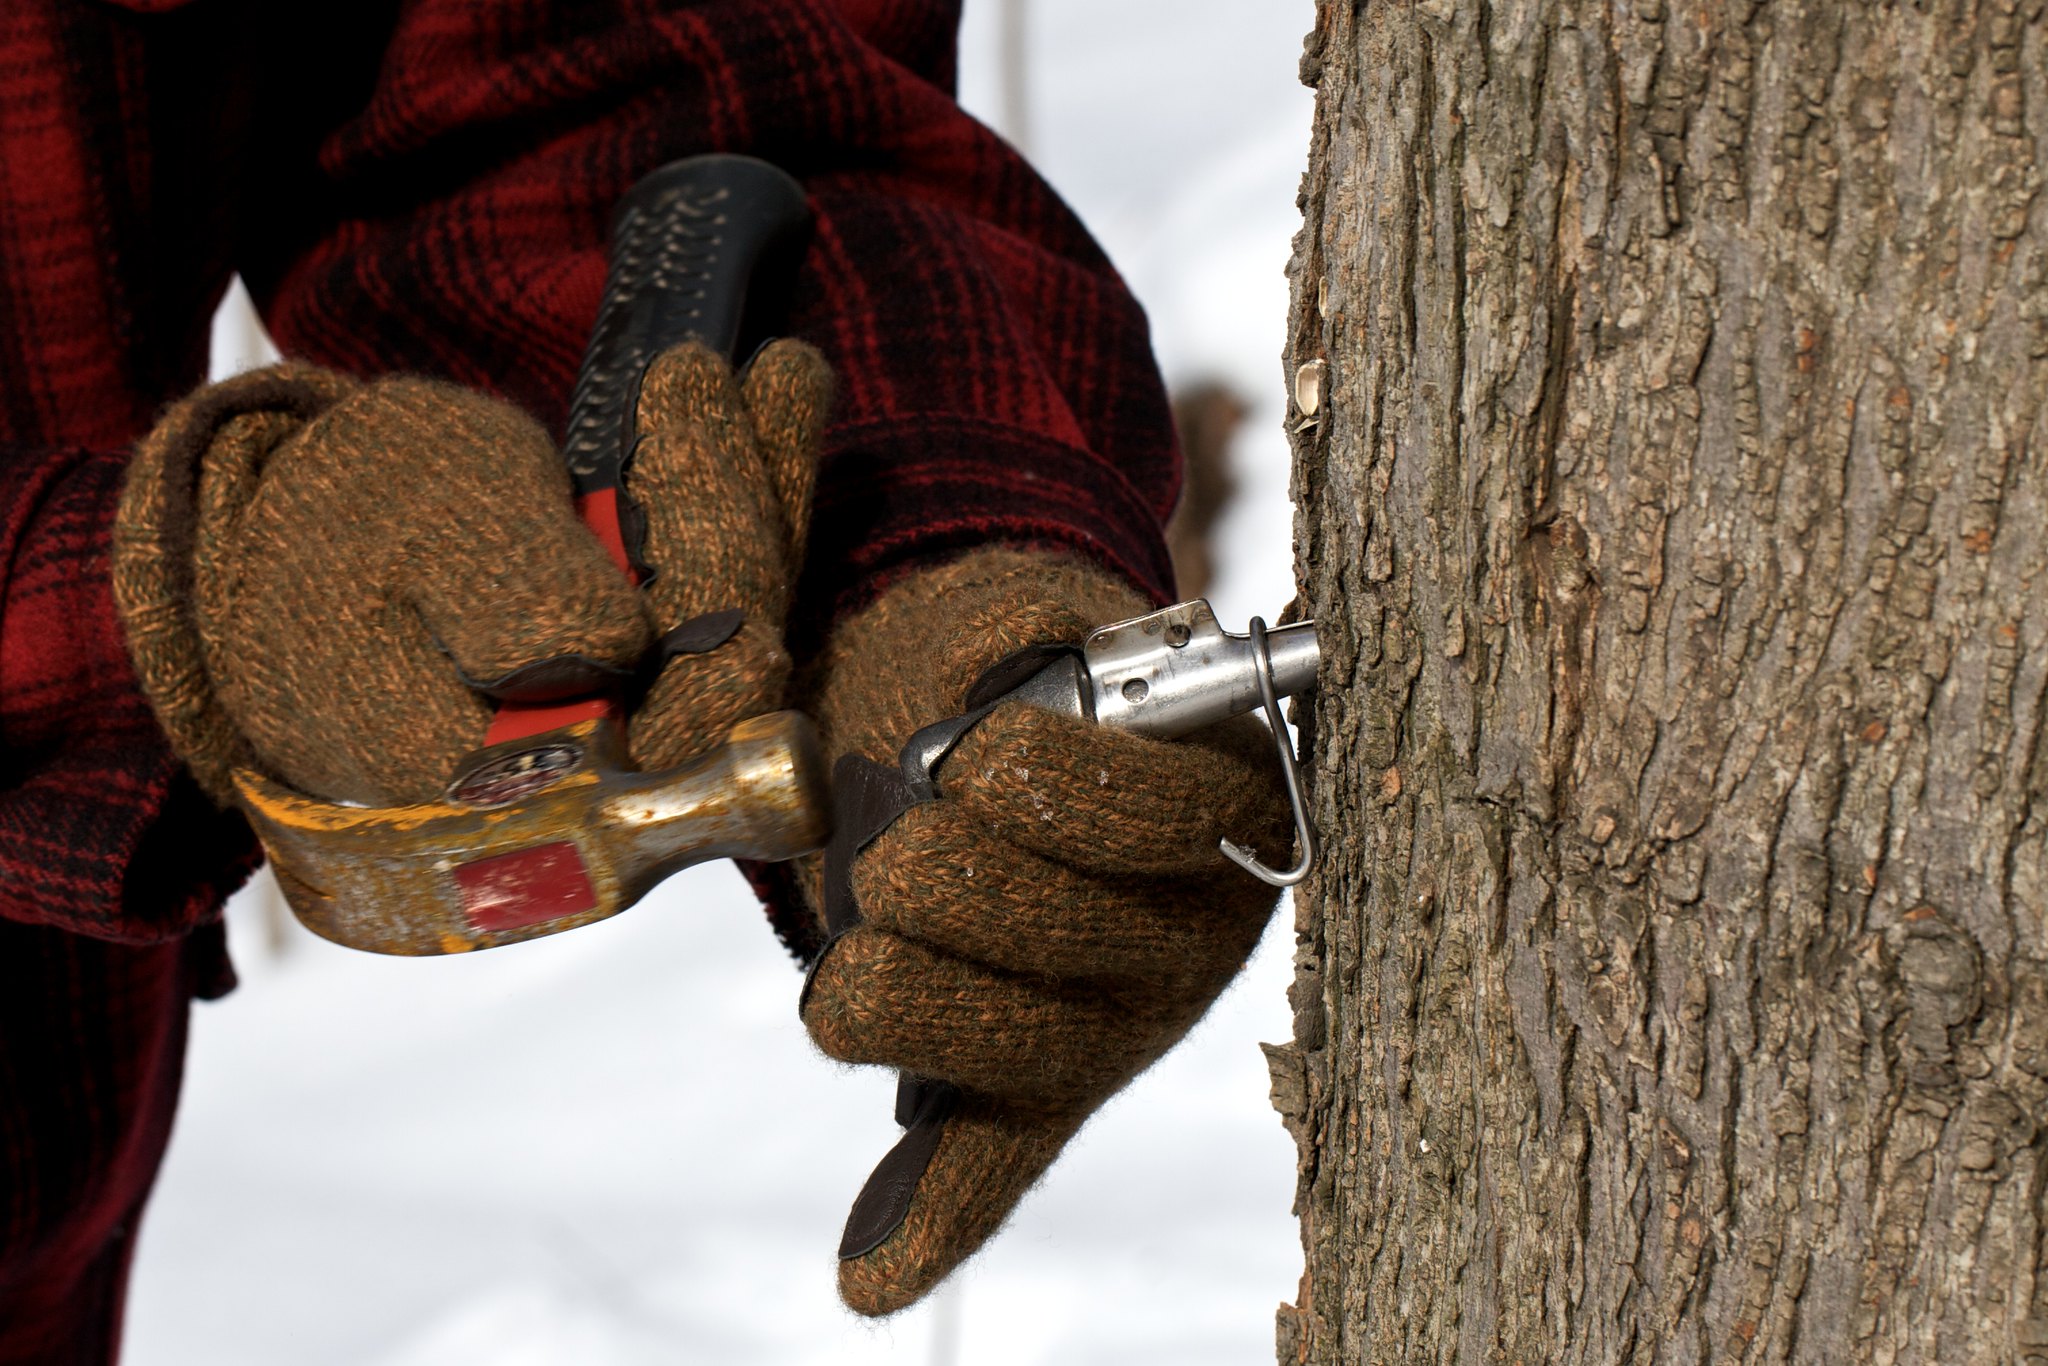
(547, 827)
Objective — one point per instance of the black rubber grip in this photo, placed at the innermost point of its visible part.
(686, 244)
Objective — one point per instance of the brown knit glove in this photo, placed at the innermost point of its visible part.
(317, 574)
(1048, 927)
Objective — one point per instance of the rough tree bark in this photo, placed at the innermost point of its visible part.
(1675, 507)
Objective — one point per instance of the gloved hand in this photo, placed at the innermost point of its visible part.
(1042, 932)
(320, 576)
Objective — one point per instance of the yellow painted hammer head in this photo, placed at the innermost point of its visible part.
(537, 835)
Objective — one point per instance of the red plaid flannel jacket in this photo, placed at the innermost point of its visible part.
(424, 185)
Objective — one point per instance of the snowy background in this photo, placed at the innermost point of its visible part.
(616, 1146)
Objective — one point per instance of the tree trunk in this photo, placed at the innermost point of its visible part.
(1674, 503)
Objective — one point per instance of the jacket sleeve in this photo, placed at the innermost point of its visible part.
(996, 377)
(101, 830)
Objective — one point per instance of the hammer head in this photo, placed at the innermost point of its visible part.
(537, 835)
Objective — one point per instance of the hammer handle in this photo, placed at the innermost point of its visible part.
(688, 244)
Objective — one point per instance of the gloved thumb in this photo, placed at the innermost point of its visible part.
(962, 1165)
(722, 475)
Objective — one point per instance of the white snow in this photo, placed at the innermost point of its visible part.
(616, 1146)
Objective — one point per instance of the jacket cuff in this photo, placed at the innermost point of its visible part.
(895, 496)
(102, 831)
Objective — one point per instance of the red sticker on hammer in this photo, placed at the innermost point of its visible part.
(510, 891)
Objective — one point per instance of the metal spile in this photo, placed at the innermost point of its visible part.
(1166, 674)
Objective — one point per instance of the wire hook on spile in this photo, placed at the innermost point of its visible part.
(1304, 826)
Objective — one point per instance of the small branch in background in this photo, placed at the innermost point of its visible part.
(1208, 416)
(946, 1325)
(1015, 81)
(277, 922)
